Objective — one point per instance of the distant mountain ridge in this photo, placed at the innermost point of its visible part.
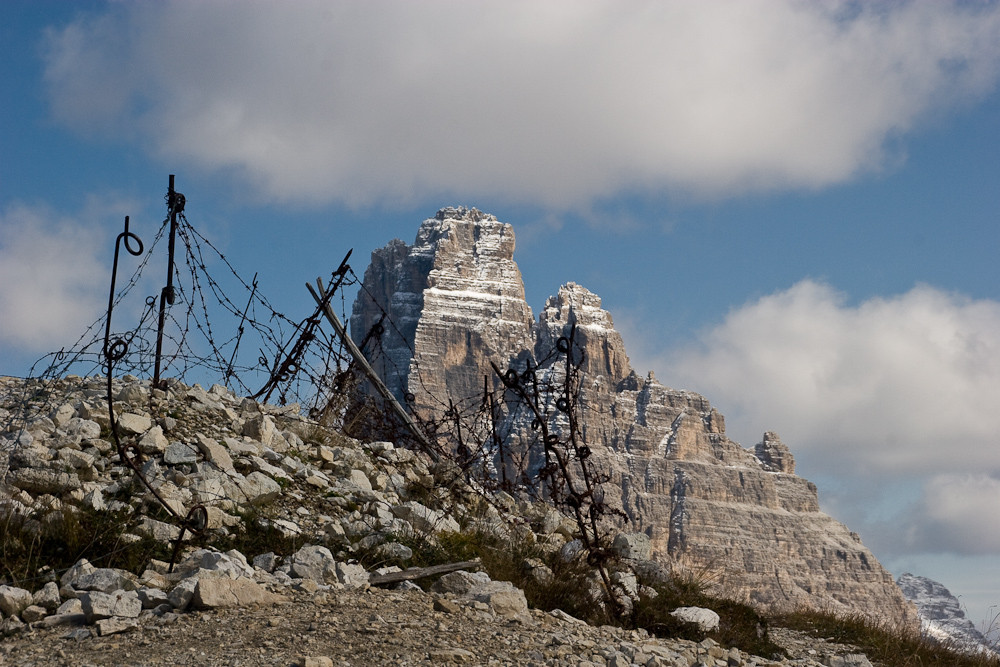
(740, 518)
(941, 615)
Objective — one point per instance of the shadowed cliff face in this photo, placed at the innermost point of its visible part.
(739, 518)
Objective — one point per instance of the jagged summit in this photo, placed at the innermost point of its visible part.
(577, 306)
(463, 213)
(456, 301)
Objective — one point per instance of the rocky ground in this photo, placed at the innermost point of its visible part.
(383, 627)
(341, 498)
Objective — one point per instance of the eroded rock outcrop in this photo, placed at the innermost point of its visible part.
(453, 301)
(739, 517)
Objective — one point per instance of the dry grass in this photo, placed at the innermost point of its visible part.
(883, 644)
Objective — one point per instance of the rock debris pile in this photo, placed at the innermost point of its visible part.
(338, 499)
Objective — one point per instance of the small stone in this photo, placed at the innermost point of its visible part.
(116, 625)
(216, 592)
(215, 453)
(98, 605)
(33, 613)
(133, 392)
(182, 594)
(151, 598)
(460, 583)
(456, 655)
(706, 619)
(153, 441)
(47, 596)
(315, 661)
(352, 575)
(506, 600)
(314, 562)
(130, 423)
(563, 616)
(62, 414)
(72, 606)
(14, 600)
(360, 480)
(39, 480)
(267, 562)
(94, 500)
(78, 634)
(447, 606)
(261, 428)
(104, 579)
(87, 429)
(11, 626)
(180, 452)
(258, 488)
(80, 568)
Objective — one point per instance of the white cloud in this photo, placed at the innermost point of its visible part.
(907, 384)
(960, 513)
(557, 103)
(53, 276)
(890, 402)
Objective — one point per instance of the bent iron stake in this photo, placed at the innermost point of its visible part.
(197, 517)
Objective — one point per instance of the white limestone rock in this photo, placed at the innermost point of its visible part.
(214, 452)
(105, 580)
(14, 600)
(130, 423)
(97, 605)
(706, 619)
(154, 441)
(314, 562)
(47, 596)
(180, 452)
(425, 519)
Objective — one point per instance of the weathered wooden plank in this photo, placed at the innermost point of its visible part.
(369, 371)
(421, 572)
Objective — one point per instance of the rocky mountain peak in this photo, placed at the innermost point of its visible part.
(463, 213)
(577, 310)
(455, 299)
(774, 454)
(941, 615)
(455, 304)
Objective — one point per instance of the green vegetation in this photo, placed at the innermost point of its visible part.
(256, 535)
(34, 546)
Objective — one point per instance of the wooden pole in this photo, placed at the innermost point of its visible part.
(376, 381)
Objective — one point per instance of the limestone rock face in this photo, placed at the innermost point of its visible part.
(739, 517)
(941, 615)
(454, 301)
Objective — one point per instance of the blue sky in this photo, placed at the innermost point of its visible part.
(791, 207)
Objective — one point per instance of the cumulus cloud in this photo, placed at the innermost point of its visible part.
(52, 267)
(906, 384)
(889, 403)
(558, 103)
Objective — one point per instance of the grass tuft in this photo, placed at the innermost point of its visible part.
(36, 546)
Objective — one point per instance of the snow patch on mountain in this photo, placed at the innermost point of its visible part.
(941, 615)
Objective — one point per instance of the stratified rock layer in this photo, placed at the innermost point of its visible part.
(454, 301)
(741, 519)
